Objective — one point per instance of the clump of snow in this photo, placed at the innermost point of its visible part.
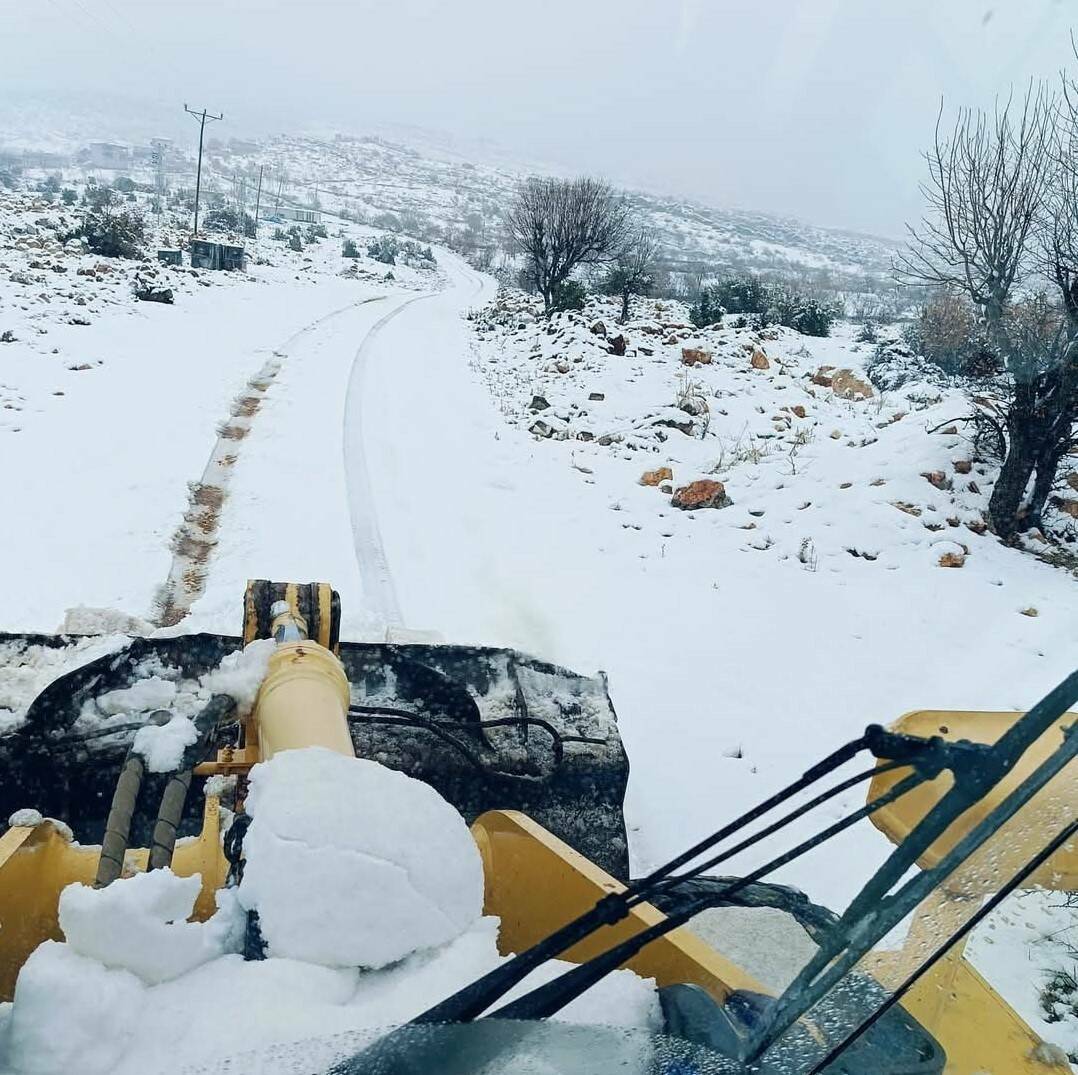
(142, 696)
(325, 824)
(139, 924)
(30, 818)
(84, 620)
(240, 674)
(27, 817)
(220, 785)
(162, 745)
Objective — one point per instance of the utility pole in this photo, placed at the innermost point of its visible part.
(258, 199)
(201, 117)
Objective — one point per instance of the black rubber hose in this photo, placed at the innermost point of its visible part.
(174, 797)
(118, 826)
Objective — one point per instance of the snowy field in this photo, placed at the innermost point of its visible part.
(454, 465)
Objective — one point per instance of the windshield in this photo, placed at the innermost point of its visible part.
(561, 512)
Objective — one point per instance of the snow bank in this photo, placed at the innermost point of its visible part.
(139, 924)
(71, 1013)
(324, 825)
(162, 745)
(26, 670)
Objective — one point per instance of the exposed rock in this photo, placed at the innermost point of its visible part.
(952, 559)
(1067, 506)
(695, 356)
(978, 526)
(821, 379)
(154, 294)
(1072, 480)
(618, 345)
(666, 487)
(760, 361)
(704, 493)
(1031, 611)
(974, 488)
(599, 329)
(949, 431)
(585, 435)
(798, 411)
(937, 478)
(847, 385)
(596, 396)
(909, 509)
(541, 428)
(657, 476)
(538, 403)
(963, 466)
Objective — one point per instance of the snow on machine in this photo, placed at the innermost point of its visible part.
(977, 804)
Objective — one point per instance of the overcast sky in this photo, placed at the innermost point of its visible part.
(818, 108)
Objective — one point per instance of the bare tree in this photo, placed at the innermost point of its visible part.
(633, 272)
(1001, 195)
(560, 224)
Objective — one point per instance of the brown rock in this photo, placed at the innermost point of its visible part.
(978, 526)
(949, 431)
(847, 385)
(963, 466)
(599, 328)
(822, 380)
(952, 559)
(760, 361)
(1068, 507)
(695, 356)
(937, 478)
(704, 493)
(1072, 480)
(909, 509)
(798, 410)
(618, 345)
(654, 477)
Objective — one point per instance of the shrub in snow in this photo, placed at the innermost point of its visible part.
(324, 824)
(349, 249)
(569, 295)
(112, 232)
(707, 309)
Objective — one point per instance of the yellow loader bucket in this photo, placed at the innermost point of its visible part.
(38, 862)
(1044, 817)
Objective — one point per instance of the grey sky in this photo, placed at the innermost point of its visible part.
(816, 108)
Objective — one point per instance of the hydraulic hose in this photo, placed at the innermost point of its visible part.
(118, 826)
(170, 812)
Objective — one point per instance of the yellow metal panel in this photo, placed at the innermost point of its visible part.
(1050, 811)
(37, 863)
(980, 1032)
(535, 883)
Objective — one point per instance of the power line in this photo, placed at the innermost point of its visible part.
(201, 117)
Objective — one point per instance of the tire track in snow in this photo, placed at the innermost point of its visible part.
(379, 590)
(195, 538)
